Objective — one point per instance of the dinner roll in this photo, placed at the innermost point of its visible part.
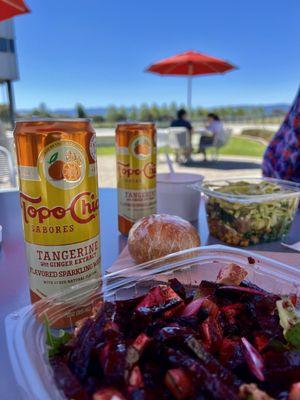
(157, 235)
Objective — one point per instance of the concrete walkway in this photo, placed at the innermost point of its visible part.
(225, 167)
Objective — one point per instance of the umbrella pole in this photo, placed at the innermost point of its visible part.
(189, 90)
(189, 95)
(11, 104)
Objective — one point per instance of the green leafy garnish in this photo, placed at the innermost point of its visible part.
(53, 158)
(54, 342)
(290, 321)
(293, 336)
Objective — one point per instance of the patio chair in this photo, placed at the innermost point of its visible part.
(162, 143)
(219, 141)
(7, 171)
(162, 138)
(179, 142)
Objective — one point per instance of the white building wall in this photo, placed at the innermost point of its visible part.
(7, 29)
(8, 57)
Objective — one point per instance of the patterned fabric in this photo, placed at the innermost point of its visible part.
(282, 157)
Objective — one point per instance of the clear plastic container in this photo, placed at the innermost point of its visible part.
(248, 211)
(26, 336)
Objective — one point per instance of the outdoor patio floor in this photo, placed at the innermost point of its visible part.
(224, 167)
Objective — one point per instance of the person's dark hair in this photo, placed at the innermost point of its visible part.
(181, 113)
(213, 116)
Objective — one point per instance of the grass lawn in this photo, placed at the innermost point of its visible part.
(237, 146)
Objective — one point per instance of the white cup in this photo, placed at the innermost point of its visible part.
(175, 197)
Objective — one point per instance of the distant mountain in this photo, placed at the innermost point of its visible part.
(268, 109)
(272, 107)
(68, 111)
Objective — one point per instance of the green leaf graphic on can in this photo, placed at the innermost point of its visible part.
(53, 158)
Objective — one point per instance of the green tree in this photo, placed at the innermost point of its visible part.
(173, 109)
(145, 114)
(260, 111)
(133, 113)
(41, 111)
(165, 113)
(80, 111)
(98, 118)
(240, 112)
(200, 112)
(121, 114)
(223, 112)
(154, 112)
(112, 113)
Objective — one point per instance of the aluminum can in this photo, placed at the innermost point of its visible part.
(136, 172)
(57, 165)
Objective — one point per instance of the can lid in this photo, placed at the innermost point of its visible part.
(135, 123)
(39, 120)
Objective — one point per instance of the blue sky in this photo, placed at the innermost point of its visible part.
(95, 51)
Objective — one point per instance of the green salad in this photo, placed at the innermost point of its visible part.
(241, 221)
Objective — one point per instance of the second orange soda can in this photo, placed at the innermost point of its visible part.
(136, 172)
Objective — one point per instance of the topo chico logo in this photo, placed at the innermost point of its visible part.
(82, 209)
(149, 170)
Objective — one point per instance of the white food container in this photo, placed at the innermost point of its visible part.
(175, 197)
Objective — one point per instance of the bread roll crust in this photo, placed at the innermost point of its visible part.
(157, 235)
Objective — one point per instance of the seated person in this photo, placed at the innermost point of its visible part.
(182, 122)
(215, 129)
(282, 156)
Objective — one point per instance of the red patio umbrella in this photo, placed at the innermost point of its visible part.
(11, 8)
(190, 63)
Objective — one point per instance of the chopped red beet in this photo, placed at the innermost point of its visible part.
(178, 287)
(211, 334)
(141, 342)
(158, 300)
(294, 393)
(108, 394)
(179, 383)
(135, 378)
(230, 353)
(113, 361)
(134, 352)
(232, 312)
(260, 341)
(182, 342)
(213, 383)
(242, 289)
(293, 297)
(66, 379)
